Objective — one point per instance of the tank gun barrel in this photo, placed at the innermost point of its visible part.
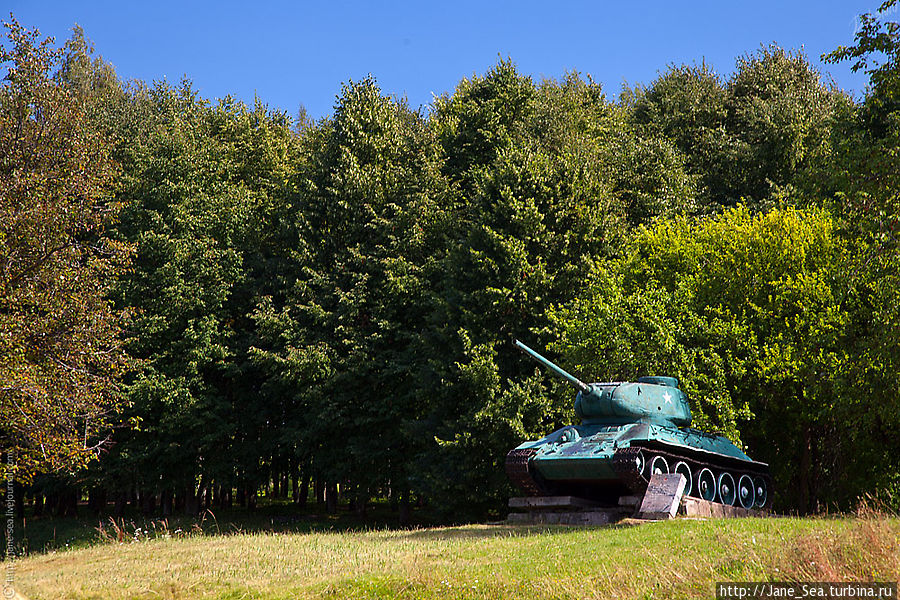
(562, 373)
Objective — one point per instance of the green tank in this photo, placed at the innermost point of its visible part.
(629, 431)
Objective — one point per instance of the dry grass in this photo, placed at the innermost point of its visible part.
(683, 558)
(868, 551)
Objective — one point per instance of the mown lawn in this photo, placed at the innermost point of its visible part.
(681, 558)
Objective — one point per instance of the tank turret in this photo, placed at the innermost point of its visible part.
(649, 399)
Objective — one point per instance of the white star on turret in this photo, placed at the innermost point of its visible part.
(668, 397)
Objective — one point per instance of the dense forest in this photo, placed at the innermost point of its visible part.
(207, 302)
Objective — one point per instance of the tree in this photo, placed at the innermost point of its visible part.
(204, 187)
(865, 172)
(344, 339)
(61, 356)
(780, 113)
(745, 136)
(863, 182)
(687, 105)
(545, 179)
(758, 317)
(877, 52)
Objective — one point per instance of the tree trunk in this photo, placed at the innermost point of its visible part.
(165, 502)
(404, 508)
(193, 498)
(304, 490)
(331, 497)
(148, 503)
(38, 504)
(67, 503)
(805, 468)
(121, 501)
(97, 500)
(19, 500)
(320, 492)
(362, 501)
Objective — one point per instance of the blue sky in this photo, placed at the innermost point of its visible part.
(298, 53)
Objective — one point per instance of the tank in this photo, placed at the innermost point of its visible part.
(630, 430)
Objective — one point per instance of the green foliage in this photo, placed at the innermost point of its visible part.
(754, 315)
(687, 104)
(613, 332)
(545, 180)
(347, 333)
(877, 52)
(202, 189)
(863, 183)
(745, 137)
(334, 301)
(779, 110)
(61, 359)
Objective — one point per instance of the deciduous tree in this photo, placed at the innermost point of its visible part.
(61, 356)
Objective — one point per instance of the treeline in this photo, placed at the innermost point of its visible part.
(324, 310)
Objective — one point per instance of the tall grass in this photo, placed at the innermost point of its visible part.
(868, 551)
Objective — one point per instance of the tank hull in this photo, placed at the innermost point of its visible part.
(604, 460)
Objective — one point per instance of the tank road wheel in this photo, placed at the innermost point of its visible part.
(683, 468)
(746, 495)
(726, 489)
(640, 463)
(659, 465)
(706, 485)
(762, 492)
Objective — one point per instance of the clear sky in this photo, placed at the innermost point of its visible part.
(298, 53)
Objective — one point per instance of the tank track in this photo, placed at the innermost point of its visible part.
(519, 471)
(737, 468)
(625, 463)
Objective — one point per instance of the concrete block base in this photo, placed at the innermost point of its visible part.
(696, 507)
(570, 510)
(582, 517)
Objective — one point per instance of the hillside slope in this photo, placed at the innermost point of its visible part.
(682, 558)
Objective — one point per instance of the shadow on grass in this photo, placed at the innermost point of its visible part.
(43, 534)
(34, 535)
(494, 530)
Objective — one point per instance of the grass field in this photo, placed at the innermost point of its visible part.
(675, 559)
